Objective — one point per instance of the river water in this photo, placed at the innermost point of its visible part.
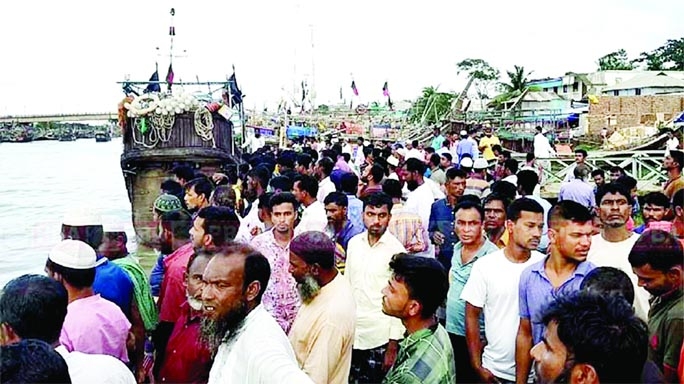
(40, 181)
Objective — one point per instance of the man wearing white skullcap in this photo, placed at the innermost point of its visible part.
(92, 324)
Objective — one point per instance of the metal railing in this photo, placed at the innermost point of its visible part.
(644, 166)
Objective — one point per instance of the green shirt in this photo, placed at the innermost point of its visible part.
(666, 329)
(425, 356)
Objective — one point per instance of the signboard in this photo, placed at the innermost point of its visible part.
(264, 131)
(293, 132)
(350, 128)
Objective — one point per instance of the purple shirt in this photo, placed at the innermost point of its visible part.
(281, 298)
(535, 292)
(578, 191)
(95, 325)
(342, 165)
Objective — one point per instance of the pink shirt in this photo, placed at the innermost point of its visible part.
(281, 298)
(95, 325)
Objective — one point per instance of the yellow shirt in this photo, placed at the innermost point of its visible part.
(503, 240)
(368, 271)
(488, 143)
(323, 333)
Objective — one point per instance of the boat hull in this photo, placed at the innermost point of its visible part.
(146, 162)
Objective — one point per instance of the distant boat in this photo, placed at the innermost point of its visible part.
(67, 136)
(102, 137)
(17, 134)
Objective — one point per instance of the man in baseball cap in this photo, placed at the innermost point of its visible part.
(92, 324)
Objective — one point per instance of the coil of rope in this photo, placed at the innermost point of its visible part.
(204, 125)
(163, 124)
(153, 136)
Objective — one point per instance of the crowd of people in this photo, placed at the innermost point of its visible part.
(365, 262)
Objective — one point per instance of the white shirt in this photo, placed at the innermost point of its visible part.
(542, 147)
(347, 148)
(606, 254)
(87, 368)
(435, 188)
(671, 144)
(571, 173)
(251, 220)
(254, 143)
(442, 151)
(493, 286)
(313, 219)
(513, 179)
(358, 157)
(415, 154)
(324, 188)
(367, 268)
(420, 201)
(261, 353)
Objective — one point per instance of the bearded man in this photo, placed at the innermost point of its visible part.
(252, 347)
(322, 334)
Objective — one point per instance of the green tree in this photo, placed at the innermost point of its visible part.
(653, 61)
(481, 74)
(670, 56)
(517, 80)
(673, 54)
(615, 61)
(431, 107)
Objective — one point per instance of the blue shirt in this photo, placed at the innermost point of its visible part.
(113, 284)
(442, 220)
(465, 146)
(640, 229)
(355, 210)
(536, 292)
(458, 277)
(157, 275)
(350, 230)
(578, 191)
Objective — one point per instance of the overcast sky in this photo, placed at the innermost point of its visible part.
(66, 56)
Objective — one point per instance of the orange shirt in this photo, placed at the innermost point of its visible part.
(673, 186)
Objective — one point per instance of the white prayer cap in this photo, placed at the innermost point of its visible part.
(73, 254)
(82, 216)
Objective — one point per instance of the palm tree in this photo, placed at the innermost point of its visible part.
(517, 80)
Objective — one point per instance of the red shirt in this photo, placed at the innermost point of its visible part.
(172, 293)
(187, 360)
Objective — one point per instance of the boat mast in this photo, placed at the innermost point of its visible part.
(312, 92)
(172, 33)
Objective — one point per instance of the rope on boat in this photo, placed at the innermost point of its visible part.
(163, 124)
(204, 125)
(153, 136)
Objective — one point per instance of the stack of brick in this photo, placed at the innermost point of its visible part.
(632, 111)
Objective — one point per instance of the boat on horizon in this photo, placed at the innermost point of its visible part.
(102, 137)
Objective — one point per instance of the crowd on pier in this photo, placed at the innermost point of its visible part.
(357, 261)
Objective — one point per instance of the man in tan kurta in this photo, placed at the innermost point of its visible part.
(322, 334)
(673, 164)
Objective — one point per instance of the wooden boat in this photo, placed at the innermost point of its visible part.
(161, 130)
(101, 137)
(199, 138)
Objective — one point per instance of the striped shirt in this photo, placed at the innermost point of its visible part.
(408, 228)
(425, 356)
